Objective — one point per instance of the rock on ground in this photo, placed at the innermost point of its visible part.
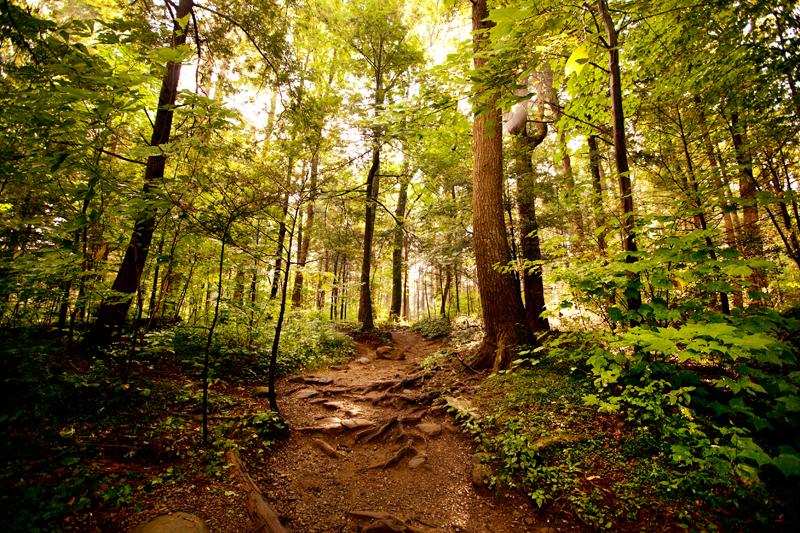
(392, 354)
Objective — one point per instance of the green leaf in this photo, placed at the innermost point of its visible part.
(787, 463)
(791, 402)
(577, 61)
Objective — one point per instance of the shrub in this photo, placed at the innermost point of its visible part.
(435, 326)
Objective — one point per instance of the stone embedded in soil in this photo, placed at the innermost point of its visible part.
(261, 392)
(326, 448)
(478, 458)
(392, 354)
(463, 406)
(363, 360)
(355, 423)
(417, 461)
(373, 395)
(479, 474)
(430, 429)
(174, 523)
(302, 394)
(332, 405)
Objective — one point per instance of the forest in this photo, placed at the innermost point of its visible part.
(592, 206)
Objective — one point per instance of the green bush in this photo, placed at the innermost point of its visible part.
(432, 327)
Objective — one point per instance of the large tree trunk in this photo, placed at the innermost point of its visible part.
(371, 196)
(504, 315)
(365, 296)
(532, 282)
(399, 238)
(620, 153)
(112, 312)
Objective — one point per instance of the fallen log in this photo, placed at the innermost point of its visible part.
(261, 514)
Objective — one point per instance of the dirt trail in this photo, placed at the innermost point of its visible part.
(315, 492)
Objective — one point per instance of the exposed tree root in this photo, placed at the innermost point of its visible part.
(384, 522)
(368, 434)
(393, 385)
(408, 447)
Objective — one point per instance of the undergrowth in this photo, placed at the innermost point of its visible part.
(621, 453)
(80, 435)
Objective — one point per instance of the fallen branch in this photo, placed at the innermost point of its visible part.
(262, 515)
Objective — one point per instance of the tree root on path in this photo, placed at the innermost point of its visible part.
(404, 449)
(373, 432)
(384, 522)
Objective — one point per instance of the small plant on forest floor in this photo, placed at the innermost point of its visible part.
(432, 327)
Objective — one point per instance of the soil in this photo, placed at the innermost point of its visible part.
(342, 490)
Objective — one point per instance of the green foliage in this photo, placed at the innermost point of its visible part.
(307, 342)
(433, 327)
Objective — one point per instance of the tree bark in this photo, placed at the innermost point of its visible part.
(276, 273)
(397, 252)
(365, 295)
(597, 196)
(505, 322)
(633, 295)
(532, 281)
(752, 243)
(113, 311)
(302, 255)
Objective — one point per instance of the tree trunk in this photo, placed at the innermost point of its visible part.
(621, 156)
(397, 253)
(503, 312)
(112, 312)
(597, 196)
(532, 282)
(752, 244)
(302, 255)
(276, 273)
(365, 295)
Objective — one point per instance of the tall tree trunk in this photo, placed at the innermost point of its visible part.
(397, 252)
(302, 254)
(273, 359)
(532, 281)
(550, 95)
(365, 295)
(505, 322)
(697, 200)
(633, 295)
(730, 236)
(112, 312)
(153, 307)
(752, 243)
(276, 273)
(406, 298)
(597, 196)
